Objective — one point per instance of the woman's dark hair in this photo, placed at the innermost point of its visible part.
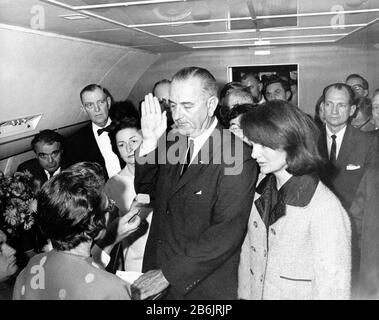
(278, 124)
(117, 125)
(239, 110)
(71, 206)
(364, 105)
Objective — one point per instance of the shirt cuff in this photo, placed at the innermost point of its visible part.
(146, 147)
(100, 256)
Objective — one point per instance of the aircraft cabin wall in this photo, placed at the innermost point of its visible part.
(318, 66)
(43, 74)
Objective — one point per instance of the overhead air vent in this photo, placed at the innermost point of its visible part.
(19, 125)
(261, 13)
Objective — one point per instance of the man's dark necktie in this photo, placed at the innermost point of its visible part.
(190, 147)
(333, 150)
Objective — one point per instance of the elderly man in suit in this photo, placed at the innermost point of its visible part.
(201, 206)
(350, 151)
(92, 143)
(48, 147)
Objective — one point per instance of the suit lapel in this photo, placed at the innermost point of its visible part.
(211, 148)
(345, 150)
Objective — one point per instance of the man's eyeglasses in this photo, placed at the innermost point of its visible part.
(91, 105)
(46, 156)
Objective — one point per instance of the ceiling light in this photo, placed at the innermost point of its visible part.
(266, 39)
(262, 30)
(262, 52)
(124, 4)
(271, 44)
(74, 16)
(262, 42)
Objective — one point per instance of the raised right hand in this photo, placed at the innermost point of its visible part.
(153, 121)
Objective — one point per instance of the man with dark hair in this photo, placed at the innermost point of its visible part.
(358, 84)
(277, 88)
(252, 81)
(161, 90)
(91, 143)
(48, 147)
(201, 208)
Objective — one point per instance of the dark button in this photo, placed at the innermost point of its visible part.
(261, 279)
(273, 231)
(253, 248)
(264, 253)
(255, 224)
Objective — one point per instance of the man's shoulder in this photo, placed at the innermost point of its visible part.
(85, 130)
(31, 164)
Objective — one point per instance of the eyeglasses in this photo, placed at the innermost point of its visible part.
(46, 156)
(91, 105)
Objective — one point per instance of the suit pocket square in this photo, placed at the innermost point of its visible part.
(199, 192)
(352, 167)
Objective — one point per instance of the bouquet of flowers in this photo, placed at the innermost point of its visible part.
(18, 203)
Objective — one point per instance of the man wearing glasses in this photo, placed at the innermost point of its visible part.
(358, 84)
(91, 143)
(48, 147)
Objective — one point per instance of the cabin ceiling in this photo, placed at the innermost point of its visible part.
(182, 25)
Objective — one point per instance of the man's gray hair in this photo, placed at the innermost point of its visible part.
(209, 83)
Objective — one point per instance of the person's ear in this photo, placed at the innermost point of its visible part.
(109, 101)
(352, 109)
(288, 95)
(212, 105)
(260, 86)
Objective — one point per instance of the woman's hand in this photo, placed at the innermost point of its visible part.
(118, 229)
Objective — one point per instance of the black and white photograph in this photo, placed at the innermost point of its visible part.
(198, 153)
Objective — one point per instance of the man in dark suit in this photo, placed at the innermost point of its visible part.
(48, 147)
(201, 206)
(92, 143)
(350, 151)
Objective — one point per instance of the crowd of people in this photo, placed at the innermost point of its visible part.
(246, 196)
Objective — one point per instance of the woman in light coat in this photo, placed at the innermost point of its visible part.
(298, 243)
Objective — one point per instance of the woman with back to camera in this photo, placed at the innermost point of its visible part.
(72, 209)
(298, 242)
(125, 138)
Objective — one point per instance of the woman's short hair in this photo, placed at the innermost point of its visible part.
(278, 124)
(364, 105)
(117, 125)
(239, 110)
(72, 205)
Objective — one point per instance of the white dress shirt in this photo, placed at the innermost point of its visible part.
(339, 137)
(112, 164)
(54, 174)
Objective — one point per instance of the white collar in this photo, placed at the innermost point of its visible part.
(339, 134)
(200, 140)
(95, 127)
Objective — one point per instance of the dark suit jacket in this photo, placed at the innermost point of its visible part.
(35, 169)
(82, 146)
(365, 226)
(199, 219)
(358, 153)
